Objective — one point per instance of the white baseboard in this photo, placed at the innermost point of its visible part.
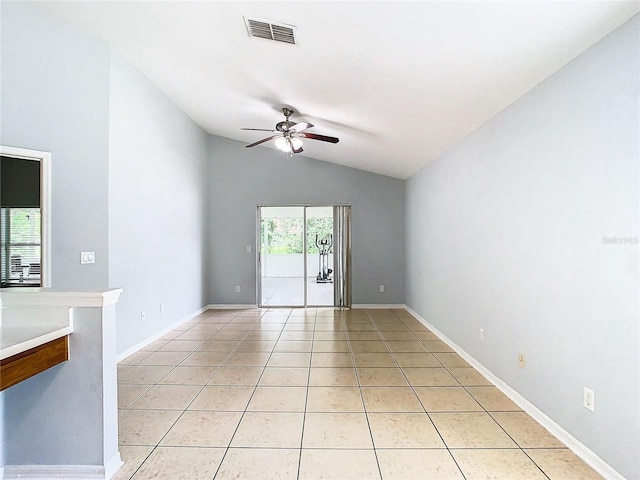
(375, 306)
(130, 351)
(231, 306)
(51, 472)
(112, 465)
(577, 447)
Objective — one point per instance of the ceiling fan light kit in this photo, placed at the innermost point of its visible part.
(288, 135)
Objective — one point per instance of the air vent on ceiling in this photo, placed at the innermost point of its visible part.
(271, 31)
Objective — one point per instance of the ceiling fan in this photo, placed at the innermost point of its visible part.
(288, 135)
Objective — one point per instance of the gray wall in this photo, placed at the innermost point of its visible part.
(241, 178)
(157, 207)
(505, 232)
(55, 97)
(58, 416)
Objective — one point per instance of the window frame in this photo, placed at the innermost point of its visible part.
(45, 205)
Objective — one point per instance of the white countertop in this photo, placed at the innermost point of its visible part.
(30, 317)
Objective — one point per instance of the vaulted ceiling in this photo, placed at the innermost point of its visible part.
(398, 82)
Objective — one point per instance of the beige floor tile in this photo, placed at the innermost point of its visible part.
(247, 359)
(127, 394)
(426, 336)
(229, 335)
(334, 399)
(222, 398)
(122, 368)
(562, 464)
(330, 346)
(181, 346)
(262, 335)
(167, 397)
(430, 377)
(363, 336)
(469, 377)
(155, 345)
(269, 430)
(165, 358)
(259, 463)
(446, 399)
(381, 377)
(284, 377)
(370, 346)
(294, 335)
(493, 399)
(497, 464)
(203, 429)
(144, 427)
(189, 375)
(331, 360)
(391, 399)
(451, 360)
(144, 375)
(470, 430)
(288, 346)
(181, 463)
(336, 326)
(219, 346)
(132, 456)
(171, 335)
(416, 360)
(407, 464)
(333, 336)
(398, 336)
(367, 360)
(336, 430)
(205, 359)
(236, 376)
(202, 336)
(299, 360)
(332, 377)
(256, 346)
(403, 430)
(437, 346)
(338, 465)
(278, 399)
(408, 347)
(526, 432)
(135, 358)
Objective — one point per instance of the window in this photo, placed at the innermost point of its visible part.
(21, 249)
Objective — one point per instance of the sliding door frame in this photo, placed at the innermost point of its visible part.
(347, 254)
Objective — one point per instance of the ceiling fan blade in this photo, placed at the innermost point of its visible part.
(259, 129)
(322, 138)
(298, 127)
(262, 141)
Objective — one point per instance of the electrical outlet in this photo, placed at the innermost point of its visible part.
(237, 288)
(521, 360)
(381, 288)
(143, 316)
(248, 248)
(482, 334)
(589, 400)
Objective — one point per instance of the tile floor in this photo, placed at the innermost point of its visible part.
(317, 393)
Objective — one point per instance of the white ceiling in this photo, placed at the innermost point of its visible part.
(398, 82)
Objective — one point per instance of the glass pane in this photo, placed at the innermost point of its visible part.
(281, 254)
(320, 256)
(21, 249)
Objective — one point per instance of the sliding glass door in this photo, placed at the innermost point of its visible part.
(297, 261)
